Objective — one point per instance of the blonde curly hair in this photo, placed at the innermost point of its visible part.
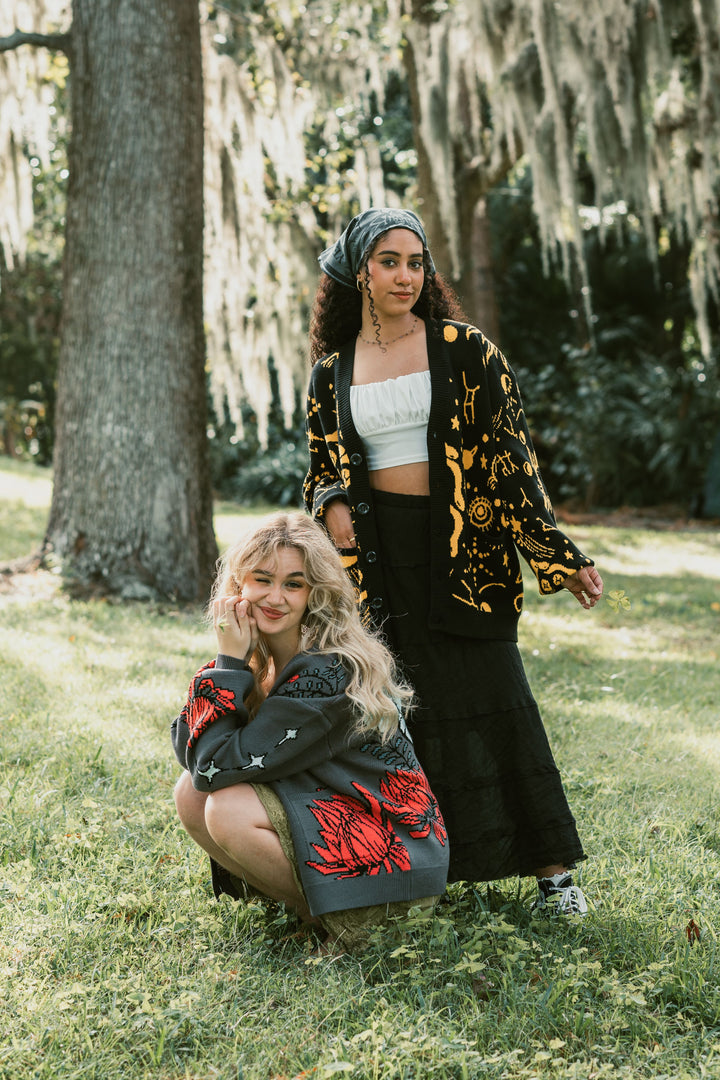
(331, 623)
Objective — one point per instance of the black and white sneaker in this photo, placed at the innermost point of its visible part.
(558, 896)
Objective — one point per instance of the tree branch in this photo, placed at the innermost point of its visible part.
(60, 42)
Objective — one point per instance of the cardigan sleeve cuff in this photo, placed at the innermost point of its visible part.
(325, 495)
(230, 663)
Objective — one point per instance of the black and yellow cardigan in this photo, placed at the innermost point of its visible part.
(487, 499)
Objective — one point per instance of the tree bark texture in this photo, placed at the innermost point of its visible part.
(453, 199)
(132, 506)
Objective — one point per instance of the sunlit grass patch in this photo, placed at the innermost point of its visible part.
(24, 482)
(22, 530)
(231, 520)
(116, 962)
(25, 492)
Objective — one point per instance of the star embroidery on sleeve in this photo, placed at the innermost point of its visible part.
(256, 762)
(290, 733)
(209, 772)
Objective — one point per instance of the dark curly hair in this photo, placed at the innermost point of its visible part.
(337, 310)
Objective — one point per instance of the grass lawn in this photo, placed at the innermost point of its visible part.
(116, 963)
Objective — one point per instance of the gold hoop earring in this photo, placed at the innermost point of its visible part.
(359, 284)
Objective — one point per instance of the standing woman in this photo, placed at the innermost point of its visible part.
(423, 472)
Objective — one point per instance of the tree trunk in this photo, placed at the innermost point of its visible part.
(477, 281)
(452, 195)
(132, 507)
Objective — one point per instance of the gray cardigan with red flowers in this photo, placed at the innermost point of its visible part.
(487, 499)
(365, 825)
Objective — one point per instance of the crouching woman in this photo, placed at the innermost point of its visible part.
(302, 782)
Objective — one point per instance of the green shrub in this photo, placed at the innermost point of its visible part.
(274, 477)
(623, 408)
(247, 472)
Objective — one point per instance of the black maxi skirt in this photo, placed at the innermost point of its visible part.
(477, 730)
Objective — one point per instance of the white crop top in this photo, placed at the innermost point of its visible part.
(391, 417)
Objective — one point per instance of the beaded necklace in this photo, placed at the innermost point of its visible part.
(384, 344)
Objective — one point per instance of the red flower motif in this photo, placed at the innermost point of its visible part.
(358, 840)
(409, 800)
(206, 702)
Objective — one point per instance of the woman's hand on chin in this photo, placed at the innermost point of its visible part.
(235, 628)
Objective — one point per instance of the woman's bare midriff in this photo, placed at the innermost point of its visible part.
(412, 479)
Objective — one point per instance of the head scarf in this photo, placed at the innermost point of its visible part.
(343, 260)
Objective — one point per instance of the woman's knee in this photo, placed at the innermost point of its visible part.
(190, 805)
(231, 811)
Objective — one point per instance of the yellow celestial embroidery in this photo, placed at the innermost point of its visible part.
(492, 351)
(480, 512)
(504, 465)
(556, 571)
(333, 450)
(314, 437)
(466, 599)
(469, 403)
(534, 547)
(457, 529)
(451, 456)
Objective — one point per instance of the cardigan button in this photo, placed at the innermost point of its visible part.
(356, 459)
(363, 508)
(371, 556)
(376, 602)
